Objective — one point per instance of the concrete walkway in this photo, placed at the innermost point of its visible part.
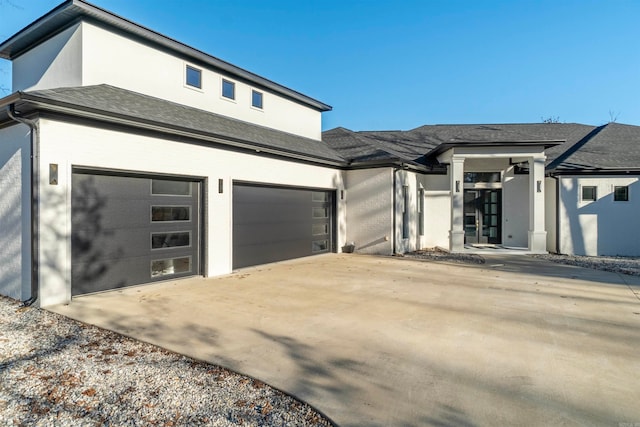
(374, 341)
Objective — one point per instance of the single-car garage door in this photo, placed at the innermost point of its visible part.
(128, 230)
(277, 223)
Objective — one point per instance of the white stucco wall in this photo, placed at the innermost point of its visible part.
(86, 54)
(369, 210)
(515, 209)
(71, 145)
(15, 213)
(119, 61)
(601, 227)
(54, 63)
(437, 211)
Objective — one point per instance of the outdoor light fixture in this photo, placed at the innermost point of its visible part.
(457, 186)
(53, 173)
(220, 186)
(539, 186)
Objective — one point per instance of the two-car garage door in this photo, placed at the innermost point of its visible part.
(130, 229)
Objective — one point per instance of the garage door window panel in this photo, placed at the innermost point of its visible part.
(163, 187)
(181, 239)
(170, 266)
(320, 212)
(319, 246)
(170, 213)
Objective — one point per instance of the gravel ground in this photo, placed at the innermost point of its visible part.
(58, 372)
(626, 265)
(436, 254)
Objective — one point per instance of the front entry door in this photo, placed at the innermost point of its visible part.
(482, 216)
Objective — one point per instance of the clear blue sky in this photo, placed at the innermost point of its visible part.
(401, 64)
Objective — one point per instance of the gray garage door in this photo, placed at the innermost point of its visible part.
(277, 223)
(128, 230)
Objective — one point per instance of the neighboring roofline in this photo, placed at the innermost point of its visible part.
(71, 11)
(37, 104)
(445, 146)
(594, 171)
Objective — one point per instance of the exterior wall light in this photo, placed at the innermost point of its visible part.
(539, 186)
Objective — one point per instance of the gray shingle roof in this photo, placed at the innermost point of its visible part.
(612, 146)
(110, 100)
(361, 147)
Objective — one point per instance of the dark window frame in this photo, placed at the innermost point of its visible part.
(622, 196)
(228, 84)
(588, 188)
(259, 105)
(188, 82)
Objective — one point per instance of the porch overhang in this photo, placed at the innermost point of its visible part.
(531, 153)
(519, 150)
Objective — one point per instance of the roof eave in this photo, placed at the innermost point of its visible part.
(47, 105)
(526, 143)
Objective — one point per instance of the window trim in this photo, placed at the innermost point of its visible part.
(261, 106)
(627, 195)
(164, 248)
(162, 274)
(152, 221)
(222, 85)
(595, 193)
(186, 77)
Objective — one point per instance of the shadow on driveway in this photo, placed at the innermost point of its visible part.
(377, 341)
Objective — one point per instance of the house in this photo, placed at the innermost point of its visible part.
(127, 157)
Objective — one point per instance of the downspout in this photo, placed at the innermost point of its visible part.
(34, 155)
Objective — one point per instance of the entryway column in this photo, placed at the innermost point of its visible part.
(456, 233)
(537, 232)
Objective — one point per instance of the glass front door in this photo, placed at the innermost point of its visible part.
(482, 216)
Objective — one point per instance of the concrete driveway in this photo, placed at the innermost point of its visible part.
(374, 341)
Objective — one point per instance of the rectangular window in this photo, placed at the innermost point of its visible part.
(621, 193)
(319, 196)
(170, 213)
(167, 267)
(319, 245)
(421, 212)
(405, 212)
(489, 177)
(256, 99)
(194, 77)
(320, 213)
(589, 193)
(228, 89)
(319, 229)
(163, 187)
(170, 240)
